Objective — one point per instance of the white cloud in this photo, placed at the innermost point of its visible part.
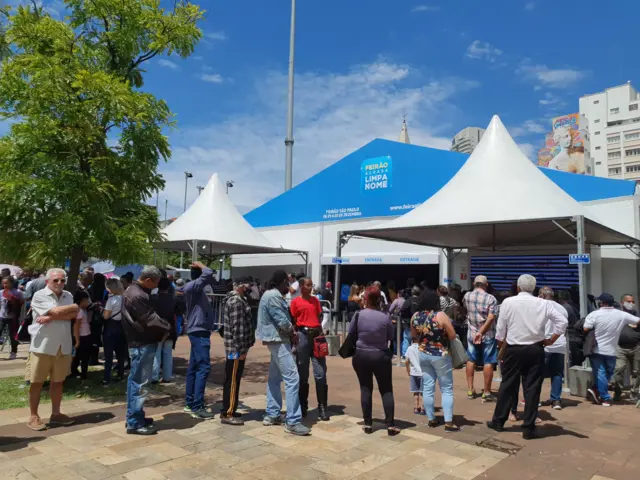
(483, 51)
(529, 150)
(335, 114)
(221, 36)
(528, 127)
(551, 78)
(211, 77)
(530, 6)
(163, 62)
(425, 8)
(551, 100)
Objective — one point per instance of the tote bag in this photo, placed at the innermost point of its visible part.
(348, 347)
(459, 357)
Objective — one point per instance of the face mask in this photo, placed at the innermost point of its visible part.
(629, 306)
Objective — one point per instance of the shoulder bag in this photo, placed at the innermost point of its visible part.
(348, 347)
(459, 357)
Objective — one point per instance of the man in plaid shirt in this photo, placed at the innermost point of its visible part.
(238, 338)
(482, 310)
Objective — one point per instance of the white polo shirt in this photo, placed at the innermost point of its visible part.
(57, 333)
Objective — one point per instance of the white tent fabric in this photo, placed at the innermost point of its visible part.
(218, 227)
(499, 197)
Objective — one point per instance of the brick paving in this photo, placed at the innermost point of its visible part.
(582, 441)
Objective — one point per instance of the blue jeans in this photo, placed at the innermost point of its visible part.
(439, 368)
(554, 365)
(163, 357)
(283, 368)
(139, 376)
(114, 341)
(602, 367)
(406, 340)
(199, 368)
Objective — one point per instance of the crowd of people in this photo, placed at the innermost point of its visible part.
(528, 331)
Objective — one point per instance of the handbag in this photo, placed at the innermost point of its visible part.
(459, 357)
(590, 344)
(320, 347)
(348, 347)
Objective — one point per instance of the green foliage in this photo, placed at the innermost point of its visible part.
(82, 154)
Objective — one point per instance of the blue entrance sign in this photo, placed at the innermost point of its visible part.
(579, 258)
(336, 260)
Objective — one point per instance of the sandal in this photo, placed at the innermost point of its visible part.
(417, 411)
(451, 427)
(36, 424)
(393, 431)
(368, 429)
(433, 423)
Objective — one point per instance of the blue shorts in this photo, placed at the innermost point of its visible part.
(487, 350)
(415, 384)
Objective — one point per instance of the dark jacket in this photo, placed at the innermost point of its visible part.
(165, 306)
(199, 311)
(629, 336)
(142, 325)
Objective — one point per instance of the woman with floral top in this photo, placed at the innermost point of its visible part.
(433, 330)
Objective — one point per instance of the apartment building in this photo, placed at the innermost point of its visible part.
(467, 140)
(613, 118)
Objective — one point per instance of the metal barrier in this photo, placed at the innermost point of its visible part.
(217, 303)
(326, 310)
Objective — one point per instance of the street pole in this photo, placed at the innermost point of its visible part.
(230, 184)
(288, 142)
(166, 202)
(158, 215)
(187, 176)
(199, 189)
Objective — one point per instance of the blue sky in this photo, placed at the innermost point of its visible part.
(363, 64)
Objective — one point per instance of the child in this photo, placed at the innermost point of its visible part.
(415, 376)
(82, 334)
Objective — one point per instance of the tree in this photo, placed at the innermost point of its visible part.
(81, 157)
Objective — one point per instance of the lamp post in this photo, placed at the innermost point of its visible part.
(288, 141)
(187, 176)
(199, 189)
(230, 184)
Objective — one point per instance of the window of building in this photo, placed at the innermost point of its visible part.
(614, 171)
(632, 136)
(614, 139)
(614, 155)
(598, 163)
(597, 148)
(633, 168)
(632, 152)
(596, 133)
(595, 102)
(597, 120)
(633, 106)
(613, 111)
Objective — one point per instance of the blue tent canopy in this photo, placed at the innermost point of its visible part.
(386, 178)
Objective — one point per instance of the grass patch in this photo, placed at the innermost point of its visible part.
(14, 393)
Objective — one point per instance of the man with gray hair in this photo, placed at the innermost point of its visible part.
(554, 355)
(50, 350)
(144, 329)
(521, 327)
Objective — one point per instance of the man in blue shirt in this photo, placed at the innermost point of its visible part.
(200, 323)
(276, 331)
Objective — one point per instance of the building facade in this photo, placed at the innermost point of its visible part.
(467, 140)
(613, 118)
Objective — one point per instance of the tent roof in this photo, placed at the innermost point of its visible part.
(338, 192)
(215, 223)
(497, 198)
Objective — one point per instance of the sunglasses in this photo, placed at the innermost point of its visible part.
(58, 280)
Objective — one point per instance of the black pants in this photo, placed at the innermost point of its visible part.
(114, 342)
(576, 356)
(83, 354)
(368, 364)
(232, 375)
(524, 362)
(11, 324)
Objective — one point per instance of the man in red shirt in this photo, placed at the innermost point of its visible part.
(306, 313)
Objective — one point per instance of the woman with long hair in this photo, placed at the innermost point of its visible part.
(353, 303)
(373, 331)
(433, 330)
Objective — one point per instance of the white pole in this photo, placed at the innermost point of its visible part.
(288, 171)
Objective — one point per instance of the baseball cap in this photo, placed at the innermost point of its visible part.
(607, 298)
(481, 279)
(242, 281)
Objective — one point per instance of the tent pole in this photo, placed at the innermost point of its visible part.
(336, 276)
(582, 286)
(194, 253)
(448, 252)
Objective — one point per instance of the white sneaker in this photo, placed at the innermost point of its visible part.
(13, 356)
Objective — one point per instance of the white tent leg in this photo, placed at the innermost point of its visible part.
(582, 278)
(194, 253)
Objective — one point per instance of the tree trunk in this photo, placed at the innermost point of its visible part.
(74, 268)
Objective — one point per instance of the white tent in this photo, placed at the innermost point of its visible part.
(498, 198)
(215, 225)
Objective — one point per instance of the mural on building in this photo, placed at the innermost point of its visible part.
(564, 145)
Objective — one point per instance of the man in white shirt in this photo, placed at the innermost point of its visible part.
(607, 323)
(521, 325)
(554, 354)
(53, 310)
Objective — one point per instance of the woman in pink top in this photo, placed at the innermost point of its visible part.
(82, 335)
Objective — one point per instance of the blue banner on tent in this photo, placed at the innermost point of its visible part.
(578, 258)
